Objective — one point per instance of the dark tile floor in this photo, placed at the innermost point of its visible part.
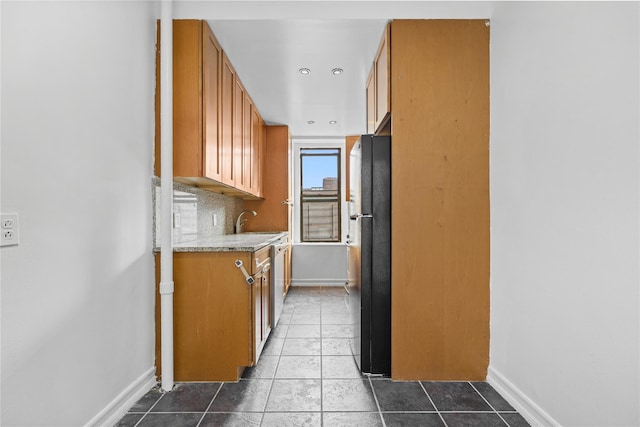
(306, 376)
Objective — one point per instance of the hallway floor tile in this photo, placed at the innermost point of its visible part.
(306, 376)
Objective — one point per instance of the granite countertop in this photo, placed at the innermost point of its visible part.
(243, 242)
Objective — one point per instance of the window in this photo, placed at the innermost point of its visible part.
(320, 194)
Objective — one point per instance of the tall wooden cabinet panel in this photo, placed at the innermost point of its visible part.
(274, 210)
(440, 186)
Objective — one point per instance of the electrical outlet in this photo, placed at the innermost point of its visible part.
(10, 235)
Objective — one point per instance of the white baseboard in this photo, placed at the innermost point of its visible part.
(318, 282)
(112, 413)
(531, 412)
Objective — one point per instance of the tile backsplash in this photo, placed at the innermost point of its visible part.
(194, 210)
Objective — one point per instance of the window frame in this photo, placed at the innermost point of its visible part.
(306, 152)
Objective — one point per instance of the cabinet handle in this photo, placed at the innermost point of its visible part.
(260, 264)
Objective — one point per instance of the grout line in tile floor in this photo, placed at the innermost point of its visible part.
(274, 374)
(375, 397)
(432, 403)
(488, 403)
(149, 410)
(209, 405)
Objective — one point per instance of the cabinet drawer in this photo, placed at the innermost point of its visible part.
(261, 257)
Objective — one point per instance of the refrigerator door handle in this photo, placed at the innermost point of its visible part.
(358, 216)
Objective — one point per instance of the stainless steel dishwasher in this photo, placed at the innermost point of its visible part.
(278, 250)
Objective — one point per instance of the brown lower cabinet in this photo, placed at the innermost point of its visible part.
(220, 321)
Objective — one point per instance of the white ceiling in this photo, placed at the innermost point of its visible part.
(268, 41)
(267, 55)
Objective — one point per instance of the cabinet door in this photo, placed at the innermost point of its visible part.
(266, 305)
(261, 297)
(256, 296)
(381, 77)
(226, 115)
(287, 269)
(257, 135)
(274, 210)
(247, 128)
(212, 311)
(238, 134)
(187, 98)
(211, 66)
(371, 102)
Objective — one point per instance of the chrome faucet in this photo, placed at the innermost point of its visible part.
(241, 221)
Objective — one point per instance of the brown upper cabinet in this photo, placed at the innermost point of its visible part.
(258, 138)
(371, 102)
(378, 88)
(226, 114)
(238, 134)
(215, 141)
(211, 55)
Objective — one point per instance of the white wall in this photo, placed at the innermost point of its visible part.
(565, 210)
(77, 137)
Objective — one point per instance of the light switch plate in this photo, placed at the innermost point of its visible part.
(9, 229)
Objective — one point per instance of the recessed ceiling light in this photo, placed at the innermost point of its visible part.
(337, 71)
(332, 122)
(304, 71)
(310, 122)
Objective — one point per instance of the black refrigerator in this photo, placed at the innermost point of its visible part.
(369, 252)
